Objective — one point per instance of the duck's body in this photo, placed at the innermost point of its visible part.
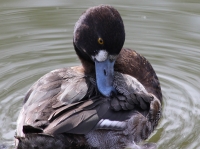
(91, 105)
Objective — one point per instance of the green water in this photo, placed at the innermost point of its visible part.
(36, 37)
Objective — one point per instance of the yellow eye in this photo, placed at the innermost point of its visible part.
(100, 41)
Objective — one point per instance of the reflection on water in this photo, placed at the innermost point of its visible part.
(38, 38)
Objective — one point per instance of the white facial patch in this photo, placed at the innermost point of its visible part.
(101, 56)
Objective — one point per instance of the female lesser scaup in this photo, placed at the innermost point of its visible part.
(93, 106)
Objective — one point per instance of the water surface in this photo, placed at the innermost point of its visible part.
(36, 37)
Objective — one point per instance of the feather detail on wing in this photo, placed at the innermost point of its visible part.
(60, 102)
(56, 89)
(101, 112)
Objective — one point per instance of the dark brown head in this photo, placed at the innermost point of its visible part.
(99, 28)
(98, 38)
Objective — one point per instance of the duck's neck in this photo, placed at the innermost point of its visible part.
(131, 63)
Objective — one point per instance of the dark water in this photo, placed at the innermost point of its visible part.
(36, 37)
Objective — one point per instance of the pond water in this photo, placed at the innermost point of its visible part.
(36, 37)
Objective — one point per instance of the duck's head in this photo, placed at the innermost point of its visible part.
(98, 38)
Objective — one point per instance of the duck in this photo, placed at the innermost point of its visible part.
(112, 100)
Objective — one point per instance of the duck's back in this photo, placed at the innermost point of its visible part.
(54, 90)
(66, 103)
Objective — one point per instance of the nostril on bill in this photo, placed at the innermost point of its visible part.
(105, 72)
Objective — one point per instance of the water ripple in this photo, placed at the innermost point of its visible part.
(37, 40)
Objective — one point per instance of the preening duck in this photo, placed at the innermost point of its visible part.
(112, 100)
